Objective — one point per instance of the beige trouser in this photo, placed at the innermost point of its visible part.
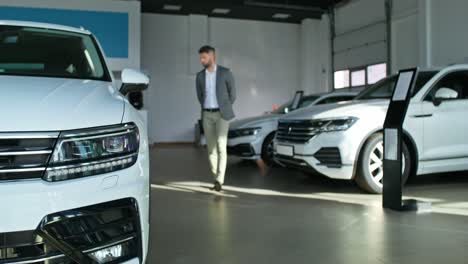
(216, 131)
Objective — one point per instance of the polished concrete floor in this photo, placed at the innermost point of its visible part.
(283, 216)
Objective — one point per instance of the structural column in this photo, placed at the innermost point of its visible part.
(425, 29)
(315, 55)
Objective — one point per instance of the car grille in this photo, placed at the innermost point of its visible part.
(25, 155)
(295, 131)
(70, 236)
(291, 161)
(243, 150)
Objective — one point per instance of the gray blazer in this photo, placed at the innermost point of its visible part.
(225, 91)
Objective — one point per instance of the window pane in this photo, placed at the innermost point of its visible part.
(341, 79)
(376, 72)
(358, 78)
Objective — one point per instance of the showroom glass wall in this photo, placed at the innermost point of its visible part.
(360, 76)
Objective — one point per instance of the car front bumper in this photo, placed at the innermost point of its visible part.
(42, 211)
(242, 150)
(330, 154)
(248, 147)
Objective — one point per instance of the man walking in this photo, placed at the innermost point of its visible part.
(216, 93)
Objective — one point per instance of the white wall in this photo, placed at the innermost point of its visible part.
(429, 33)
(170, 99)
(315, 56)
(131, 7)
(360, 34)
(449, 19)
(418, 27)
(406, 35)
(263, 56)
(357, 14)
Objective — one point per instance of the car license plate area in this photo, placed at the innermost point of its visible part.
(285, 150)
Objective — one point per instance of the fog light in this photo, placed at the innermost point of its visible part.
(111, 253)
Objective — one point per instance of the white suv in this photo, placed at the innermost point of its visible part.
(252, 138)
(74, 164)
(344, 141)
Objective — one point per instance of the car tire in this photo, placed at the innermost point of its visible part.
(369, 173)
(268, 151)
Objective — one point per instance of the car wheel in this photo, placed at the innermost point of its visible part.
(268, 150)
(369, 174)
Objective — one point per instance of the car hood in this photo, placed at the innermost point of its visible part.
(357, 108)
(253, 121)
(53, 104)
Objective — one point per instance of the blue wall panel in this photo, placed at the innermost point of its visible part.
(111, 28)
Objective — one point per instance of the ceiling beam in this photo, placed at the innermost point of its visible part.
(284, 6)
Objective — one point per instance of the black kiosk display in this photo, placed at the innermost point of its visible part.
(393, 136)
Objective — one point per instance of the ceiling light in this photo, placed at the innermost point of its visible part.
(222, 11)
(281, 16)
(172, 7)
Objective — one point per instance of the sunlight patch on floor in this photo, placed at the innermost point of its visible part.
(438, 205)
(191, 189)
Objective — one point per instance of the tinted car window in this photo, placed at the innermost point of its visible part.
(457, 81)
(423, 78)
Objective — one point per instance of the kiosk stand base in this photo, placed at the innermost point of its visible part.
(411, 205)
(415, 205)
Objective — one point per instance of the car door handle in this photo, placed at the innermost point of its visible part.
(422, 116)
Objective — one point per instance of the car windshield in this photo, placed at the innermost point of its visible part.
(305, 101)
(29, 51)
(384, 88)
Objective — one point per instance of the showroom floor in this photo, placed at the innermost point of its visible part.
(282, 216)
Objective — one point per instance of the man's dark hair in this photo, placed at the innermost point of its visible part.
(206, 49)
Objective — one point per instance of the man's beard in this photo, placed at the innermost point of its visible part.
(206, 65)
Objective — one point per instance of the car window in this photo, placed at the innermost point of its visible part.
(380, 90)
(335, 99)
(423, 78)
(457, 81)
(30, 51)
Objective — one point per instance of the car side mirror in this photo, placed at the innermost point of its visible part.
(444, 94)
(133, 81)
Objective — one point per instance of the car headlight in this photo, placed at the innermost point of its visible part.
(87, 152)
(333, 125)
(244, 132)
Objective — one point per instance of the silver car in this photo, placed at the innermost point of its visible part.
(252, 138)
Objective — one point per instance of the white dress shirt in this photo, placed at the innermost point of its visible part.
(211, 100)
